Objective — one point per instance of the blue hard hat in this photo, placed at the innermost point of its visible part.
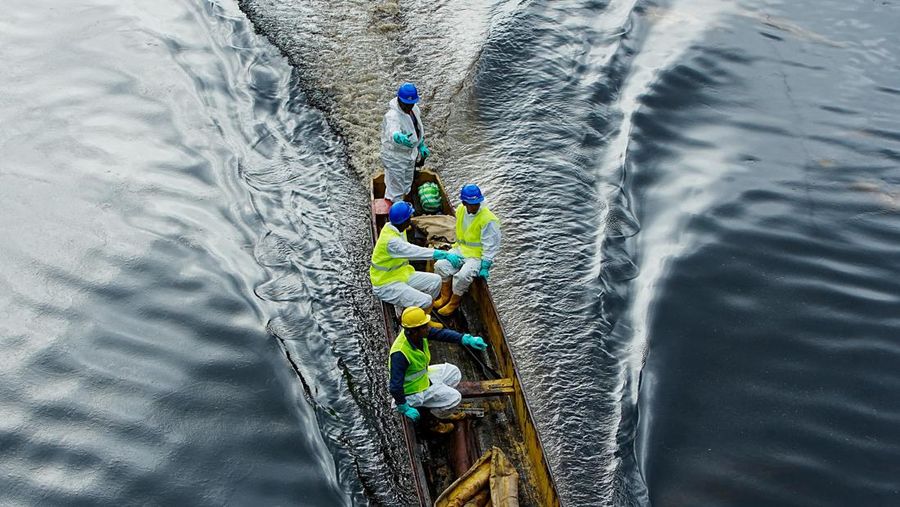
(408, 94)
(470, 194)
(400, 212)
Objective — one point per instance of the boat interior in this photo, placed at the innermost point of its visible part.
(494, 411)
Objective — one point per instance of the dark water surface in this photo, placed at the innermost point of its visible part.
(772, 375)
(136, 365)
(699, 274)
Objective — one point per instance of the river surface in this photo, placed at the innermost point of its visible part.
(699, 275)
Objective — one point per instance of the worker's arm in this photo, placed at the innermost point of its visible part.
(390, 126)
(451, 336)
(490, 241)
(399, 364)
(386, 132)
(406, 250)
(444, 335)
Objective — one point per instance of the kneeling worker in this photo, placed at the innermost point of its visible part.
(394, 280)
(477, 240)
(414, 381)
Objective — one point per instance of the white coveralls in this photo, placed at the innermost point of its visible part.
(421, 288)
(441, 394)
(399, 161)
(464, 276)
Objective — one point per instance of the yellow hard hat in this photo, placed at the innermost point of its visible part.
(414, 317)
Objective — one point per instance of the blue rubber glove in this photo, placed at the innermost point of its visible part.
(401, 138)
(408, 411)
(485, 267)
(455, 260)
(476, 342)
(424, 151)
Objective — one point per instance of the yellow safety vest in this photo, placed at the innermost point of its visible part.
(416, 379)
(386, 269)
(468, 241)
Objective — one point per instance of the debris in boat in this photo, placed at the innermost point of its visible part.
(492, 480)
(430, 197)
(439, 230)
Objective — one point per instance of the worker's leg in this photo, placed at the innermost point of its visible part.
(446, 398)
(461, 282)
(440, 398)
(444, 268)
(436, 397)
(466, 275)
(398, 178)
(404, 296)
(429, 283)
(442, 376)
(444, 373)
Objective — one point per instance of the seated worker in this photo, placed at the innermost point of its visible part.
(477, 240)
(394, 280)
(414, 381)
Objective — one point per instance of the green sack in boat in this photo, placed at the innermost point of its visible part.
(430, 197)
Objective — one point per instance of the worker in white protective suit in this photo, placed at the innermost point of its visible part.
(477, 240)
(402, 142)
(394, 280)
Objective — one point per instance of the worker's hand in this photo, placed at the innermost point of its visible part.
(424, 151)
(476, 342)
(484, 272)
(401, 138)
(408, 411)
(455, 260)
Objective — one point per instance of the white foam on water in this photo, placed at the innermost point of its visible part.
(661, 238)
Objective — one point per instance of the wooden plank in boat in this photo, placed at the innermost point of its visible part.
(484, 388)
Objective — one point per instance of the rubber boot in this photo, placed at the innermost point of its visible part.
(433, 323)
(444, 298)
(435, 424)
(449, 414)
(450, 307)
(441, 428)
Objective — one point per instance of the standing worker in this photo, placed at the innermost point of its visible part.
(394, 280)
(415, 382)
(477, 240)
(402, 142)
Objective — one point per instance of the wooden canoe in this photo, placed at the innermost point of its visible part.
(493, 399)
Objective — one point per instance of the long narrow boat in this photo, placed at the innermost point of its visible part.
(496, 409)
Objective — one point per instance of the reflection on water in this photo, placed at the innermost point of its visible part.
(618, 142)
(770, 379)
(136, 363)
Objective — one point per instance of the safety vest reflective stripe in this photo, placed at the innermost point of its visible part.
(393, 268)
(414, 376)
(469, 243)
